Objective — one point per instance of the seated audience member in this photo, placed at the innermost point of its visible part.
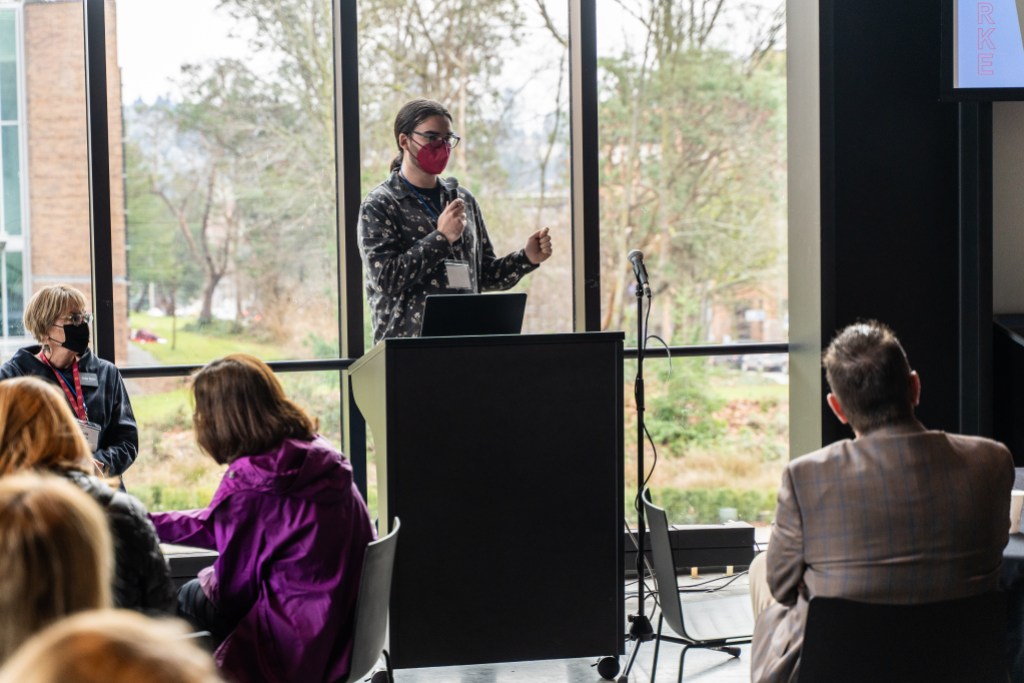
(93, 387)
(111, 646)
(897, 515)
(289, 524)
(38, 432)
(55, 556)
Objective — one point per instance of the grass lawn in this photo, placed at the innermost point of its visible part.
(192, 348)
(162, 408)
(757, 392)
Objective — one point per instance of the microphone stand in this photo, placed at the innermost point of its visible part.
(640, 630)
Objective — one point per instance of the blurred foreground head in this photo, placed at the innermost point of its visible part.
(38, 431)
(111, 646)
(56, 555)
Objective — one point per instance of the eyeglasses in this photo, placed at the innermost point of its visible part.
(452, 140)
(75, 318)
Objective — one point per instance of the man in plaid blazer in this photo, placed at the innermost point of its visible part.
(899, 514)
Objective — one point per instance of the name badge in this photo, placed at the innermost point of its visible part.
(92, 434)
(89, 379)
(458, 274)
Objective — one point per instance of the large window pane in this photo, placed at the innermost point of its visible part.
(14, 294)
(692, 126)
(9, 57)
(10, 157)
(12, 271)
(692, 118)
(58, 155)
(45, 219)
(10, 120)
(501, 69)
(172, 473)
(720, 429)
(230, 190)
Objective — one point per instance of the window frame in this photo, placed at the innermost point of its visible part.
(20, 243)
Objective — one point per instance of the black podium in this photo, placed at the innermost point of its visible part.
(503, 458)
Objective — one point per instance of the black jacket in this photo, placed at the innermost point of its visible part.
(106, 404)
(141, 579)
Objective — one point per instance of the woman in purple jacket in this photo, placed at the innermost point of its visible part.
(289, 524)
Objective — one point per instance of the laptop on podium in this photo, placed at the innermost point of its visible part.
(457, 315)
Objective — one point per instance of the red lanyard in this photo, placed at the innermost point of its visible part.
(77, 401)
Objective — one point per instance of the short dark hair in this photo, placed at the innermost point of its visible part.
(868, 371)
(411, 115)
(241, 409)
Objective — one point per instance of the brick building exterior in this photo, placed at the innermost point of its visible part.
(58, 224)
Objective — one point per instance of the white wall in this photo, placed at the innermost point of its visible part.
(1008, 207)
(804, 124)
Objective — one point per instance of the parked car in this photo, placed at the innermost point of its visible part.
(765, 362)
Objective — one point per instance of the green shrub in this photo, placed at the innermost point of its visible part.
(681, 409)
(158, 498)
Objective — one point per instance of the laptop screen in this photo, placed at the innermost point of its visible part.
(455, 315)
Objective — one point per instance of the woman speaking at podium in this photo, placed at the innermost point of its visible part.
(421, 234)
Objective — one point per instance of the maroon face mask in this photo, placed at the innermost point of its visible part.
(433, 158)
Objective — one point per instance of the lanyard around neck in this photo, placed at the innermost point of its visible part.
(76, 399)
(423, 200)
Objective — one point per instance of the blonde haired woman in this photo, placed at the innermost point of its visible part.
(55, 555)
(56, 316)
(111, 646)
(38, 432)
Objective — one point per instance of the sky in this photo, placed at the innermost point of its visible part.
(155, 38)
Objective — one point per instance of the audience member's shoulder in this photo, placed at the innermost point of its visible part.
(96, 488)
(90, 362)
(978, 444)
(115, 502)
(129, 505)
(19, 364)
(385, 190)
(822, 456)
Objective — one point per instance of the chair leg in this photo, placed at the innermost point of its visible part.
(682, 656)
(657, 646)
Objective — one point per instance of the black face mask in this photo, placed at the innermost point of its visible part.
(76, 338)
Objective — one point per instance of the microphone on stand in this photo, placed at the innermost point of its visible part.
(636, 257)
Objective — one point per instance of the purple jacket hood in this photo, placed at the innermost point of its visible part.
(312, 470)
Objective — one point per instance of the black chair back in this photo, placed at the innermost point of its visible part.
(955, 640)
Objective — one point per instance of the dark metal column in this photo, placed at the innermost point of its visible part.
(350, 271)
(975, 266)
(586, 218)
(99, 178)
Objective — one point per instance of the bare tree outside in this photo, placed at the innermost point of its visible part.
(232, 208)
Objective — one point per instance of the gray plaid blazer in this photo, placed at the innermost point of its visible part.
(900, 515)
